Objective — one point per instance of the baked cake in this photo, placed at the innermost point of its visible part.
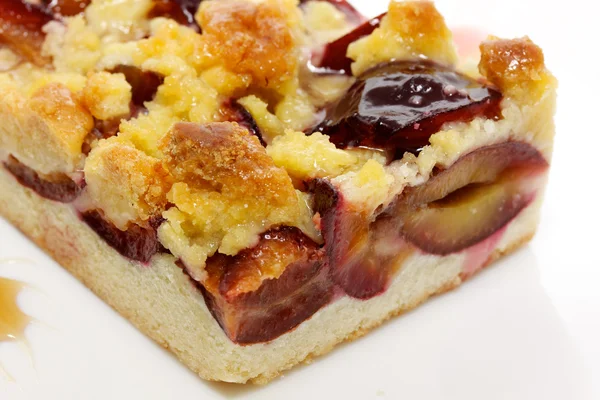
(251, 182)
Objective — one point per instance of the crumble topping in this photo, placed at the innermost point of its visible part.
(171, 49)
(270, 126)
(65, 115)
(222, 188)
(516, 66)
(227, 191)
(368, 188)
(125, 183)
(411, 30)
(119, 20)
(73, 45)
(324, 22)
(107, 95)
(314, 156)
(252, 39)
(45, 131)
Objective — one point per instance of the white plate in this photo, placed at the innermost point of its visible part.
(526, 328)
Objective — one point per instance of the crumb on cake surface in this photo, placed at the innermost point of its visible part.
(128, 185)
(306, 157)
(107, 95)
(516, 66)
(411, 30)
(254, 39)
(227, 191)
(324, 22)
(54, 116)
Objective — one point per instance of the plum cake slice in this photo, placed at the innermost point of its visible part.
(251, 182)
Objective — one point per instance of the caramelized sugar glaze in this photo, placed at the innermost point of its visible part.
(270, 288)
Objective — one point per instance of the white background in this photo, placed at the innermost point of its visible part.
(526, 328)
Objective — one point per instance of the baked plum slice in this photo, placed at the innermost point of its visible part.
(138, 243)
(455, 209)
(363, 251)
(266, 291)
(479, 194)
(397, 106)
(21, 29)
(57, 187)
(464, 218)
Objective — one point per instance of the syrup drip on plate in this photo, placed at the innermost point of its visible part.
(13, 321)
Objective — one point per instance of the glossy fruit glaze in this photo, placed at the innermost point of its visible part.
(397, 106)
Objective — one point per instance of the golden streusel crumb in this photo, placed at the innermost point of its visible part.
(516, 66)
(125, 183)
(170, 49)
(228, 191)
(46, 131)
(145, 131)
(119, 20)
(226, 82)
(296, 110)
(369, 187)
(250, 38)
(325, 22)
(411, 30)
(73, 45)
(308, 157)
(225, 155)
(35, 81)
(107, 95)
(222, 188)
(66, 117)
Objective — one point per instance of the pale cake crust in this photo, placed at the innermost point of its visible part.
(132, 289)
